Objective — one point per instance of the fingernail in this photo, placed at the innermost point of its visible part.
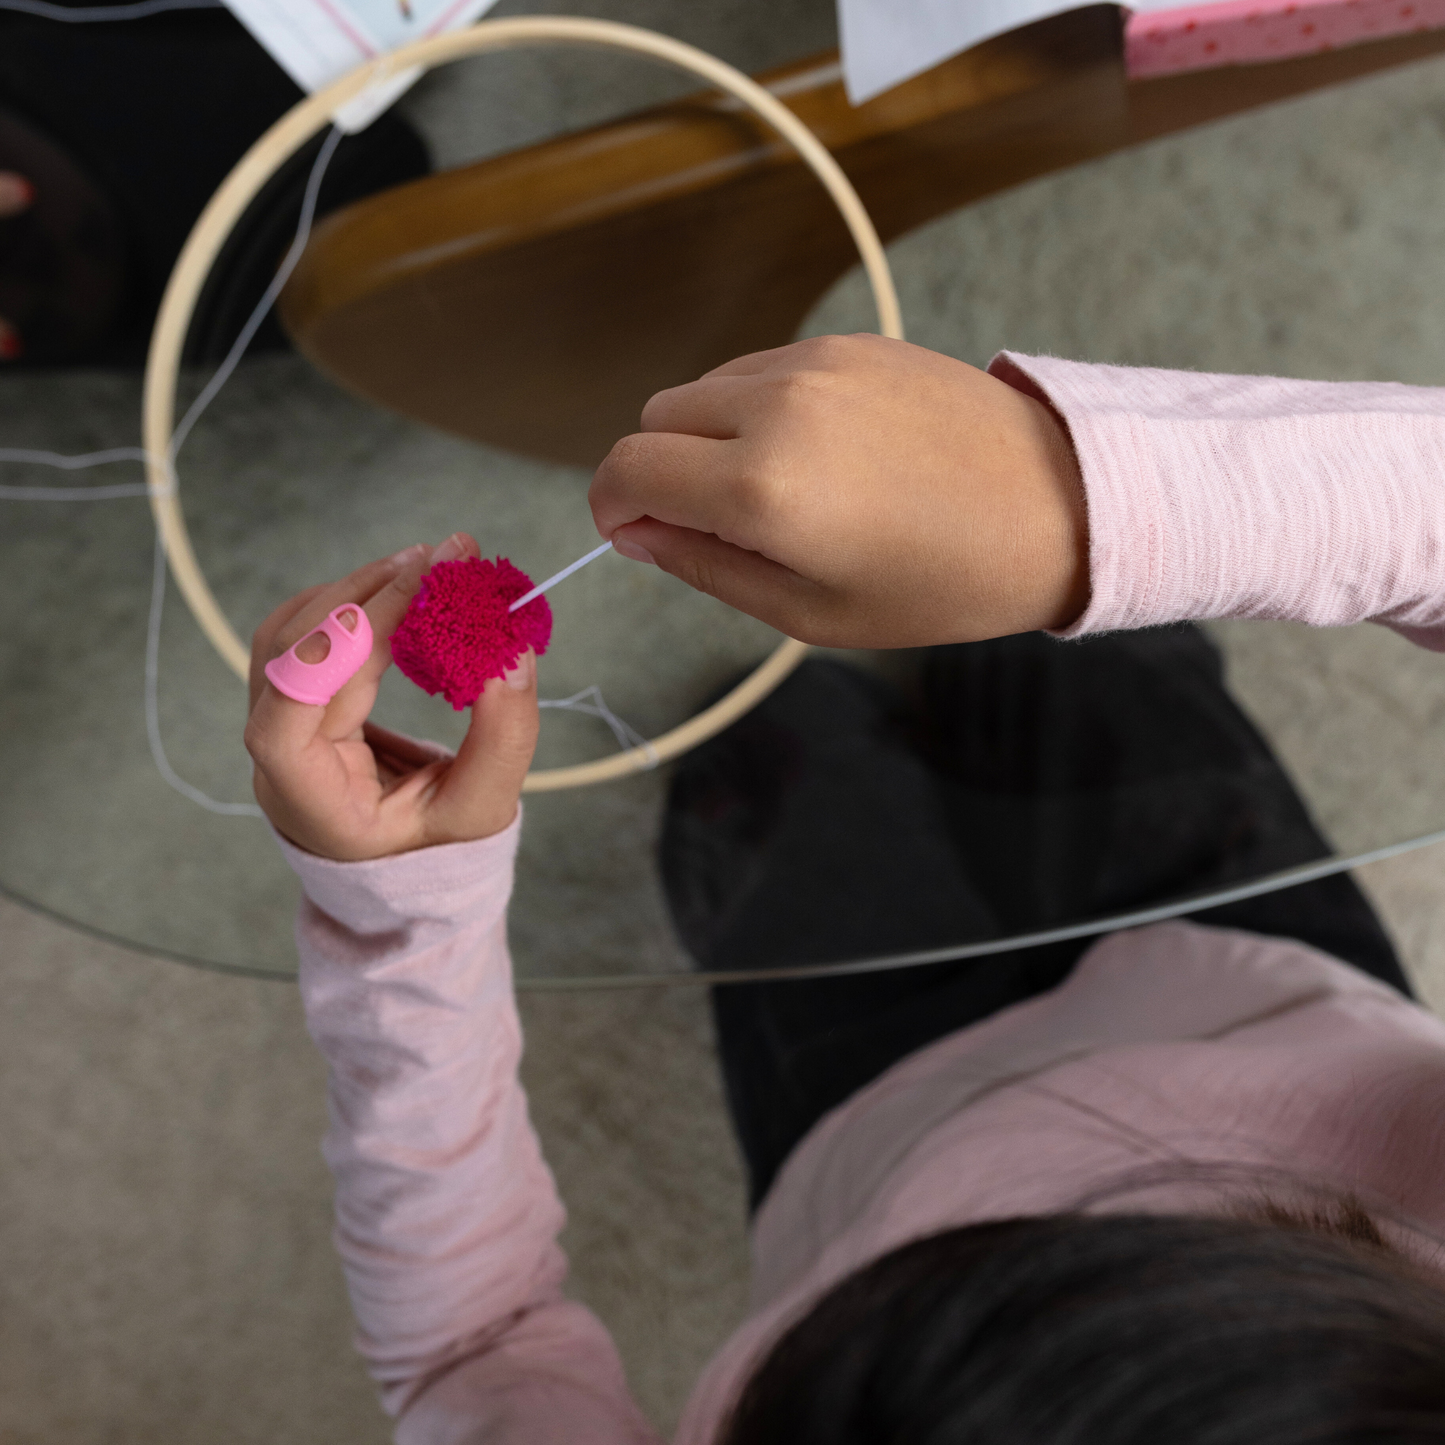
(407, 554)
(451, 549)
(522, 674)
(631, 549)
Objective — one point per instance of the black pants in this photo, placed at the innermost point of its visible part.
(1030, 783)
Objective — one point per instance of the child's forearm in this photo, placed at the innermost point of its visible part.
(1234, 496)
(447, 1216)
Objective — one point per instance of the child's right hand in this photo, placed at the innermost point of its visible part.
(857, 492)
(343, 788)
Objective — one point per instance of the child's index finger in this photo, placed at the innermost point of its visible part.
(359, 587)
(265, 635)
(290, 622)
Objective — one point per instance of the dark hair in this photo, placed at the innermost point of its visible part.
(1115, 1330)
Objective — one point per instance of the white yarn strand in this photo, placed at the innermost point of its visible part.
(72, 494)
(152, 703)
(561, 576)
(72, 463)
(987, 948)
(93, 14)
(193, 414)
(268, 297)
(27, 456)
(590, 702)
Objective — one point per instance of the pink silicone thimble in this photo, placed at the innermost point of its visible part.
(317, 683)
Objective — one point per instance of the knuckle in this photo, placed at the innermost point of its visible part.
(256, 740)
(285, 637)
(772, 490)
(657, 406)
(698, 575)
(284, 640)
(516, 751)
(756, 489)
(829, 348)
(263, 639)
(619, 467)
(804, 397)
(804, 387)
(838, 353)
(395, 595)
(627, 454)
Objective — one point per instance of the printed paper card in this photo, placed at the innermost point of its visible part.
(886, 42)
(318, 41)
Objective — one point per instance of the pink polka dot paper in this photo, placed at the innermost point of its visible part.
(1241, 32)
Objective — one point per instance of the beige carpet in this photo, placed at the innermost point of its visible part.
(165, 1269)
(166, 1272)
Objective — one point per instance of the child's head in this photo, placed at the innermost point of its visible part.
(1115, 1330)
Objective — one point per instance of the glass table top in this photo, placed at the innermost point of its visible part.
(292, 481)
(288, 481)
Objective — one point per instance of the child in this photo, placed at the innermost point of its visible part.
(1185, 1183)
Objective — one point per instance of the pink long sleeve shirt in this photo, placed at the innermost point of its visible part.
(1177, 1067)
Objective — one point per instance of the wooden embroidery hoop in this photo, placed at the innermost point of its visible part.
(306, 119)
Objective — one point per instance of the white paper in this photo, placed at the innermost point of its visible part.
(886, 42)
(318, 41)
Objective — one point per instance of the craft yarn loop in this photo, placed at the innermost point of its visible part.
(459, 630)
(309, 117)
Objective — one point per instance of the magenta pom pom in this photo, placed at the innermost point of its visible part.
(457, 632)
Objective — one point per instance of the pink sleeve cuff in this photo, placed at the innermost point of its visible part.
(448, 885)
(1245, 496)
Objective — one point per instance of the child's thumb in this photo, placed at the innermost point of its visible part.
(478, 796)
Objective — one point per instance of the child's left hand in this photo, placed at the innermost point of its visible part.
(343, 788)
